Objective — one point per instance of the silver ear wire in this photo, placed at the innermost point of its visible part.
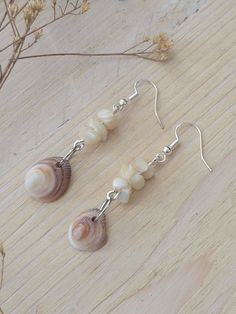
(131, 97)
(169, 148)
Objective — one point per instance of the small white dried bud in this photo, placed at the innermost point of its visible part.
(54, 3)
(38, 34)
(31, 11)
(13, 9)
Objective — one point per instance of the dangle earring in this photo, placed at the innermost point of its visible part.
(48, 179)
(88, 231)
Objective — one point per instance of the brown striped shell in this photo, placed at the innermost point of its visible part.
(47, 180)
(85, 234)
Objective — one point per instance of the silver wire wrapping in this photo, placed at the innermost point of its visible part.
(167, 150)
(124, 101)
(111, 196)
(120, 106)
(77, 146)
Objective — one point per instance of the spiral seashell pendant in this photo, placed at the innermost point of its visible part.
(48, 180)
(87, 234)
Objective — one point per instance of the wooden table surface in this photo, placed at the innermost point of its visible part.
(172, 249)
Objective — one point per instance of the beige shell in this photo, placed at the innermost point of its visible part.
(85, 234)
(46, 181)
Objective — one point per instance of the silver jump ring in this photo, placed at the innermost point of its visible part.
(159, 158)
(111, 196)
(78, 145)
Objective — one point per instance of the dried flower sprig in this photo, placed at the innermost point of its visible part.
(158, 50)
(29, 11)
(163, 46)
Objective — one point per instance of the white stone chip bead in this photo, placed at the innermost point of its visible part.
(127, 171)
(98, 127)
(137, 181)
(107, 117)
(89, 135)
(149, 173)
(124, 195)
(120, 183)
(140, 165)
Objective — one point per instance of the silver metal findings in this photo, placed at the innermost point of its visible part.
(167, 150)
(200, 138)
(88, 231)
(111, 196)
(77, 146)
(123, 102)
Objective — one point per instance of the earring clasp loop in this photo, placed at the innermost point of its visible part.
(169, 148)
(132, 96)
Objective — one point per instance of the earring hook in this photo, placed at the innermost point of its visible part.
(200, 138)
(131, 97)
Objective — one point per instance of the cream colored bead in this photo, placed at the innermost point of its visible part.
(124, 195)
(89, 135)
(120, 183)
(137, 181)
(107, 117)
(149, 173)
(140, 165)
(127, 171)
(98, 127)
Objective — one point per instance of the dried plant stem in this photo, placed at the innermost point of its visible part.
(15, 55)
(66, 5)
(2, 269)
(30, 13)
(140, 54)
(41, 27)
(2, 253)
(29, 46)
(157, 48)
(9, 22)
(63, 54)
(4, 17)
(136, 45)
(12, 21)
(2, 20)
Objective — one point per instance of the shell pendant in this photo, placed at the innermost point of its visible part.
(87, 234)
(47, 180)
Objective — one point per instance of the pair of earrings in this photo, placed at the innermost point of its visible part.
(49, 179)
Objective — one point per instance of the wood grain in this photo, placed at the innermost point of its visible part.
(172, 248)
